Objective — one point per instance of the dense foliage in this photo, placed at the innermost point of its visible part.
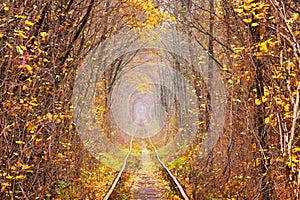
(254, 42)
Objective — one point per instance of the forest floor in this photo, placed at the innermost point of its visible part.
(147, 182)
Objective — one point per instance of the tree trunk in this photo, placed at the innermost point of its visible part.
(259, 67)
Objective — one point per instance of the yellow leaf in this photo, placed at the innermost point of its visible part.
(29, 68)
(57, 120)
(249, 20)
(23, 47)
(49, 116)
(44, 35)
(264, 99)
(287, 115)
(257, 102)
(20, 177)
(296, 149)
(29, 23)
(254, 24)
(294, 18)
(19, 50)
(263, 46)
(30, 127)
(9, 177)
(8, 44)
(1, 35)
(26, 166)
(38, 140)
(20, 142)
(225, 69)
(286, 107)
(6, 184)
(59, 155)
(267, 120)
(266, 91)
(20, 33)
(33, 104)
(239, 10)
(20, 16)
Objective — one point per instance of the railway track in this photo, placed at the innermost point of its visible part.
(147, 193)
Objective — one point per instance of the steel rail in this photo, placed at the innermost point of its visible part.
(181, 190)
(169, 173)
(119, 175)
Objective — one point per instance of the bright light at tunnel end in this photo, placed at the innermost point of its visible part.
(134, 103)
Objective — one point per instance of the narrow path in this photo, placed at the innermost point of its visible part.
(149, 183)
